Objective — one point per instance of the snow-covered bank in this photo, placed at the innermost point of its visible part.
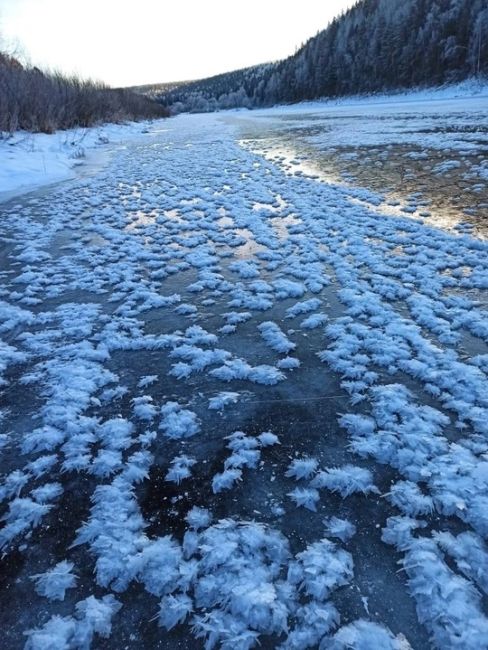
(470, 88)
(31, 160)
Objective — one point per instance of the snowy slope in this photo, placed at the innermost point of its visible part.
(471, 88)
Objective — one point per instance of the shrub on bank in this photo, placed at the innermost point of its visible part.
(36, 101)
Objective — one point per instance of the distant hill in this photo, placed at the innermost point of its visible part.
(376, 45)
(155, 90)
(244, 87)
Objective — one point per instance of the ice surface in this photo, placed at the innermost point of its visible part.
(350, 339)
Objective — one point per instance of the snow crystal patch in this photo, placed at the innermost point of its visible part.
(106, 462)
(180, 469)
(305, 498)
(198, 518)
(47, 492)
(268, 439)
(399, 531)
(9, 355)
(23, 514)
(93, 616)
(408, 497)
(147, 380)
(244, 269)
(238, 441)
(196, 359)
(249, 300)
(225, 480)
(265, 375)
(186, 310)
(288, 363)
(275, 338)
(54, 583)
(159, 564)
(240, 369)
(174, 610)
(314, 621)
(430, 579)
(42, 465)
(178, 422)
(13, 484)
(340, 528)
(446, 166)
(366, 635)
(302, 468)
(313, 321)
(144, 409)
(115, 434)
(321, 568)
(235, 317)
(470, 553)
(288, 289)
(346, 480)
(303, 307)
(246, 602)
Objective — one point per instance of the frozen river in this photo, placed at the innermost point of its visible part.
(244, 387)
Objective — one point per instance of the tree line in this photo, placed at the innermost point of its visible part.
(377, 45)
(41, 102)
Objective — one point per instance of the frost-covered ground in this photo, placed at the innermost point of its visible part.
(241, 406)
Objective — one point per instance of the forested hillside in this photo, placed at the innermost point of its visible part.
(247, 87)
(376, 45)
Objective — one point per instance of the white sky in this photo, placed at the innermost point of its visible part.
(129, 42)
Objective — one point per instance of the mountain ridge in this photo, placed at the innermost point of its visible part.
(375, 46)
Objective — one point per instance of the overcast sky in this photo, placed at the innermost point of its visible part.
(128, 42)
